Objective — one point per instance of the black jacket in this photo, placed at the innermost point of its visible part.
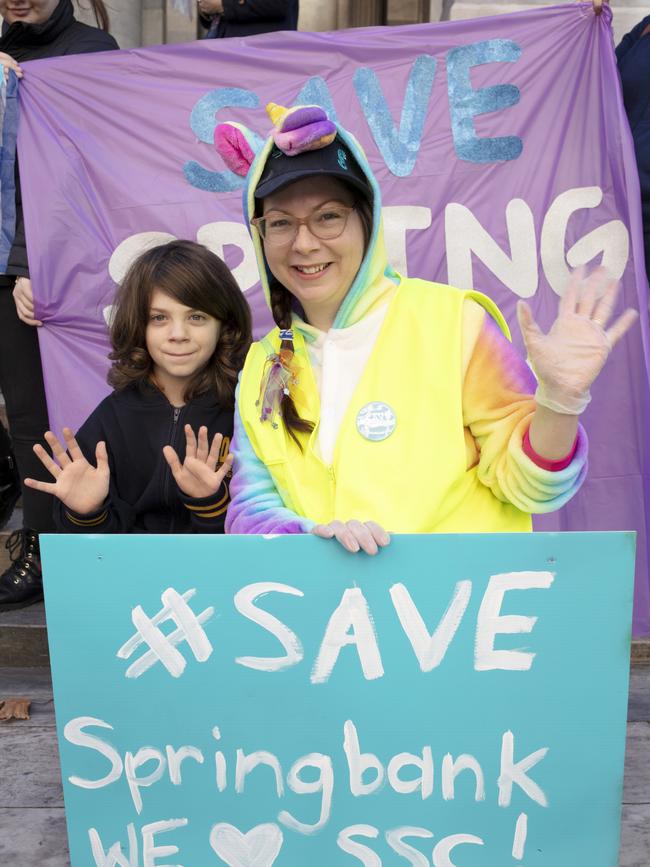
(250, 17)
(135, 424)
(61, 34)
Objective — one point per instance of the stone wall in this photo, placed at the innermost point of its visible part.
(126, 19)
(626, 12)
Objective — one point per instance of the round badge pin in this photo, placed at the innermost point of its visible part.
(376, 421)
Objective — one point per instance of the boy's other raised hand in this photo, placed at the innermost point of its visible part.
(79, 485)
(198, 476)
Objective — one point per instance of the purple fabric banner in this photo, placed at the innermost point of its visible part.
(500, 144)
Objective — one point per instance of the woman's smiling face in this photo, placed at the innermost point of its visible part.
(317, 272)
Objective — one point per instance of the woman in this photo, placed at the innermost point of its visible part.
(382, 403)
(32, 30)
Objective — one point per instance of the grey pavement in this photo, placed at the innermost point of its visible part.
(32, 820)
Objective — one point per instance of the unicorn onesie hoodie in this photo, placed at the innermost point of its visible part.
(420, 407)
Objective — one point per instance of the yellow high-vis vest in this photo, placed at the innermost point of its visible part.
(400, 456)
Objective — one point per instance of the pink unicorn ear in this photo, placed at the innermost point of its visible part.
(232, 146)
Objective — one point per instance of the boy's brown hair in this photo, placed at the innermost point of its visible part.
(198, 279)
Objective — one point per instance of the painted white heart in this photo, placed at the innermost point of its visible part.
(258, 848)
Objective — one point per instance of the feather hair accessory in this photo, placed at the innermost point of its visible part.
(278, 376)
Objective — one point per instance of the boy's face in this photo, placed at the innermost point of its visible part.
(179, 340)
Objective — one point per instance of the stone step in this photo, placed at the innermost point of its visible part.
(23, 637)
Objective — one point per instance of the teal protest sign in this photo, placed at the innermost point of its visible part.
(456, 701)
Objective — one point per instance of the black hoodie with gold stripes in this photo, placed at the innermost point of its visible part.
(135, 424)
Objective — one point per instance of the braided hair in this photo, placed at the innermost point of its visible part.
(281, 310)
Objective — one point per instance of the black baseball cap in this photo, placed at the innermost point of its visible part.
(335, 159)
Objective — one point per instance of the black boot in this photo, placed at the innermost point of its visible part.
(22, 584)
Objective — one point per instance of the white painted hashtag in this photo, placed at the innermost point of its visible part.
(162, 648)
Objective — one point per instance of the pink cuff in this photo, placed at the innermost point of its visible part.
(543, 463)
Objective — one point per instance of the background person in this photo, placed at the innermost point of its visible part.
(633, 58)
(383, 403)
(32, 30)
(224, 18)
(9, 481)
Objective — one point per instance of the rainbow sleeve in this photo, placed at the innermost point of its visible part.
(498, 406)
(255, 504)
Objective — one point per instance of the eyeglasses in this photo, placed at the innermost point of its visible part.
(325, 224)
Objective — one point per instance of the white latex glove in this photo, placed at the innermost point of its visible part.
(354, 535)
(569, 358)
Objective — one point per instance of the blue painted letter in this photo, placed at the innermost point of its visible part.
(316, 92)
(465, 102)
(398, 148)
(203, 121)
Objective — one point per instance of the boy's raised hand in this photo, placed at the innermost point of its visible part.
(80, 486)
(198, 476)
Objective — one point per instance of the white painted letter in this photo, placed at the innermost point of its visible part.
(218, 236)
(521, 832)
(367, 857)
(464, 235)
(246, 763)
(451, 769)
(175, 759)
(74, 734)
(395, 840)
(352, 613)
(130, 248)
(490, 622)
(114, 857)
(150, 851)
(244, 603)
(611, 239)
(442, 851)
(516, 773)
(424, 782)
(398, 220)
(324, 784)
(430, 649)
(359, 763)
(131, 765)
(220, 768)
